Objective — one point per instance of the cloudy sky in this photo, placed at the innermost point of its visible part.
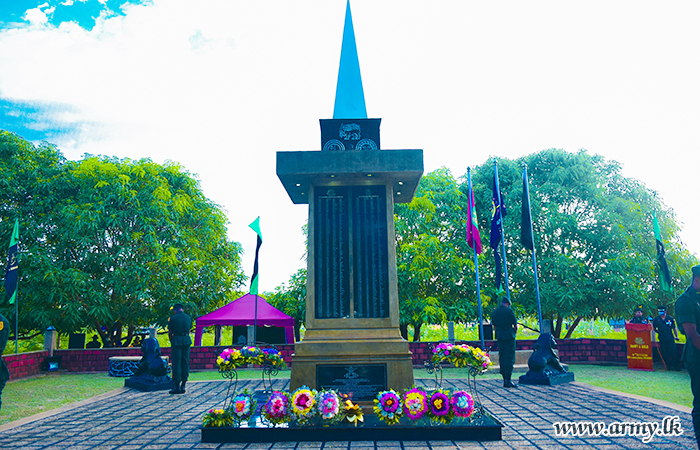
(221, 85)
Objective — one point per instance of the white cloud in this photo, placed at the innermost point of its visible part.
(38, 16)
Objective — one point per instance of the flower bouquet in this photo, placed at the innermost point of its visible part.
(217, 418)
(252, 355)
(473, 357)
(388, 407)
(276, 409)
(272, 357)
(441, 352)
(304, 404)
(439, 407)
(243, 406)
(229, 359)
(416, 403)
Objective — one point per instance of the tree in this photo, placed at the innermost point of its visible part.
(116, 242)
(291, 299)
(434, 263)
(593, 236)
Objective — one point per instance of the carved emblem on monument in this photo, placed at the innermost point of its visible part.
(350, 131)
(334, 145)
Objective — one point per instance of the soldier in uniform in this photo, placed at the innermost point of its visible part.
(665, 328)
(4, 336)
(688, 313)
(638, 318)
(503, 320)
(179, 326)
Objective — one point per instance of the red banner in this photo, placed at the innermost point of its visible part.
(639, 346)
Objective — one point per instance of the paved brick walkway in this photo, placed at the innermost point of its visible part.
(129, 419)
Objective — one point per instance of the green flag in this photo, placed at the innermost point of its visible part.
(664, 274)
(11, 273)
(254, 280)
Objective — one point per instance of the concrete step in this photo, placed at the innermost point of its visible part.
(521, 358)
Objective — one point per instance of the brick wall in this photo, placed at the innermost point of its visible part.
(25, 364)
(570, 350)
(97, 360)
(204, 358)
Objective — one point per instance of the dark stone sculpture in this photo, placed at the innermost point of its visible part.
(544, 364)
(152, 372)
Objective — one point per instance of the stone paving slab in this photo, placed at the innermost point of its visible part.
(128, 419)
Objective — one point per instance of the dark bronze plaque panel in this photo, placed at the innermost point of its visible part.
(370, 259)
(331, 253)
(360, 382)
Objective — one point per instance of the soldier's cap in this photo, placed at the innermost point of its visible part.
(662, 309)
(177, 306)
(696, 271)
(505, 301)
(638, 308)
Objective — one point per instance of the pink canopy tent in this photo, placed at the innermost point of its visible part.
(241, 312)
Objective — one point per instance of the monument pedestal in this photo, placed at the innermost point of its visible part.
(359, 366)
(352, 342)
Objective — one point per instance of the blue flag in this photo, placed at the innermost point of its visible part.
(498, 212)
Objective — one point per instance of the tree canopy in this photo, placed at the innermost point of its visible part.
(593, 237)
(107, 242)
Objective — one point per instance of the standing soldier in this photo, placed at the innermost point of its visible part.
(688, 313)
(503, 319)
(179, 326)
(4, 336)
(665, 328)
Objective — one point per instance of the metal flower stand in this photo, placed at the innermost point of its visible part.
(471, 382)
(435, 368)
(232, 376)
(269, 370)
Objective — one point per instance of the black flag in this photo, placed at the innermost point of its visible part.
(526, 219)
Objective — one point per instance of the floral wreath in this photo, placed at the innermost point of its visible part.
(303, 402)
(328, 405)
(388, 407)
(416, 403)
(462, 404)
(243, 406)
(439, 406)
(276, 409)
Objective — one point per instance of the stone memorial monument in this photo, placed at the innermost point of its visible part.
(352, 342)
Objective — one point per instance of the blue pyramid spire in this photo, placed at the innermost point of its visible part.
(349, 95)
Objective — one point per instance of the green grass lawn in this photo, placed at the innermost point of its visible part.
(31, 396)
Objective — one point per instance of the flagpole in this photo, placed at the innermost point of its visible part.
(255, 330)
(470, 198)
(16, 320)
(503, 236)
(534, 260)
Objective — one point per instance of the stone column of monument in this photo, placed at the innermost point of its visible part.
(352, 341)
